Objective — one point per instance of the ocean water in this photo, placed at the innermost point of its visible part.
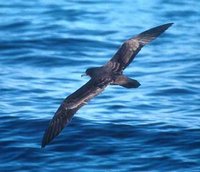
(46, 45)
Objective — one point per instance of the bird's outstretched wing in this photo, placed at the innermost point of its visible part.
(70, 106)
(130, 48)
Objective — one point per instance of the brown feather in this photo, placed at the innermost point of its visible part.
(130, 48)
(69, 107)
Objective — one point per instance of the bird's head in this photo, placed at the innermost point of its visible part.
(90, 72)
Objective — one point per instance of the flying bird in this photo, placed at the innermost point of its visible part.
(109, 74)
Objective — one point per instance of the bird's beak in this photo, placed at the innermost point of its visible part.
(84, 75)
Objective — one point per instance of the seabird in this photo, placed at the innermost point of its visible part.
(109, 74)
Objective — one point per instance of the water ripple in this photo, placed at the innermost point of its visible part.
(46, 45)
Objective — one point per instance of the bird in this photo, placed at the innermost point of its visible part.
(111, 73)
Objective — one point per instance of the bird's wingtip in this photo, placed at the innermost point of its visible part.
(169, 24)
(164, 26)
(45, 141)
(43, 145)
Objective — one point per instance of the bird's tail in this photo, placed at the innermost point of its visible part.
(126, 82)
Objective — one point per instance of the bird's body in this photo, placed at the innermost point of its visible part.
(109, 74)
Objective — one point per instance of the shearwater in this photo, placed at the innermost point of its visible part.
(109, 74)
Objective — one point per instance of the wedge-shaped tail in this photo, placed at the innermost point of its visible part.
(126, 82)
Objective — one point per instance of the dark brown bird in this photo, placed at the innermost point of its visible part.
(109, 74)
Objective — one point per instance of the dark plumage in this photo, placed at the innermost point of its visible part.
(109, 74)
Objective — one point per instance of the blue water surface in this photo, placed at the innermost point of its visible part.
(46, 45)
